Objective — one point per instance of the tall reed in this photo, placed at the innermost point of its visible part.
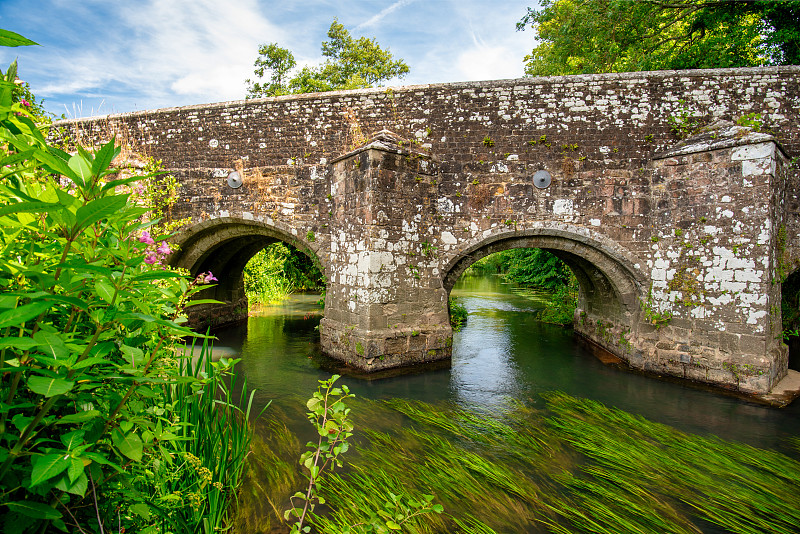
(197, 488)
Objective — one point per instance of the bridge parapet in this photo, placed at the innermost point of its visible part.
(697, 232)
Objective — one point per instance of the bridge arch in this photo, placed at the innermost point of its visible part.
(611, 285)
(223, 246)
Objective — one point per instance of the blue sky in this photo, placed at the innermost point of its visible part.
(113, 56)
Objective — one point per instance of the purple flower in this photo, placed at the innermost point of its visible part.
(205, 278)
(146, 239)
(151, 258)
(163, 248)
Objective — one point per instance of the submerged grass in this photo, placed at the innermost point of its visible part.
(270, 477)
(577, 466)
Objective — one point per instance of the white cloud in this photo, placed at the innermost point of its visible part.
(489, 62)
(200, 47)
(143, 54)
(196, 50)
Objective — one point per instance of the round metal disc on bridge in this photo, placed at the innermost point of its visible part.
(541, 179)
(235, 180)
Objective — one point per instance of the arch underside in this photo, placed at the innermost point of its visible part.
(609, 287)
(223, 247)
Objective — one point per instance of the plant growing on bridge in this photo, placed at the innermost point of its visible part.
(684, 122)
(458, 314)
(652, 314)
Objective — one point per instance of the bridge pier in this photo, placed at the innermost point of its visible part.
(385, 305)
(679, 247)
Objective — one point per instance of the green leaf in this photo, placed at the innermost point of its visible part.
(392, 525)
(129, 445)
(74, 301)
(88, 362)
(87, 267)
(75, 469)
(100, 459)
(47, 466)
(141, 509)
(19, 343)
(79, 417)
(28, 207)
(98, 209)
(9, 38)
(52, 345)
(135, 355)
(80, 165)
(33, 509)
(104, 289)
(104, 156)
(77, 487)
(196, 302)
(73, 439)
(23, 313)
(156, 275)
(49, 387)
(14, 158)
(52, 159)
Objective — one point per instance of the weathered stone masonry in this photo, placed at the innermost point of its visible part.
(697, 230)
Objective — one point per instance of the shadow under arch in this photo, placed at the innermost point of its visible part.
(223, 246)
(610, 285)
(790, 316)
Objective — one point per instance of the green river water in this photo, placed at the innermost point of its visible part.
(504, 366)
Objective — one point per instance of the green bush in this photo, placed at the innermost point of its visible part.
(279, 270)
(458, 314)
(90, 422)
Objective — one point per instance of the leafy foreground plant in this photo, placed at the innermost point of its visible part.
(95, 413)
(329, 415)
(207, 439)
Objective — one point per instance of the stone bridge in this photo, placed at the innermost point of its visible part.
(679, 238)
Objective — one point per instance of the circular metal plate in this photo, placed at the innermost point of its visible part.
(541, 179)
(234, 180)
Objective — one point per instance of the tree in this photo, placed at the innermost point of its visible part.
(278, 61)
(351, 64)
(589, 36)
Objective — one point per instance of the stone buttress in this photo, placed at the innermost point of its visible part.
(385, 305)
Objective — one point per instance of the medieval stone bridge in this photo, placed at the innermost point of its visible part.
(679, 245)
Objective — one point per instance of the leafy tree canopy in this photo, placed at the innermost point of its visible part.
(351, 63)
(590, 36)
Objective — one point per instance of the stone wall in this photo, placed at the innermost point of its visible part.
(653, 227)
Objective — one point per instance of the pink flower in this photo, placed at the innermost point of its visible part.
(151, 258)
(146, 239)
(24, 102)
(205, 278)
(163, 248)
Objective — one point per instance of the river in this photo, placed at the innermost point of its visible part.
(501, 358)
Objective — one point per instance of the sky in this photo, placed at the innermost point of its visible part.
(100, 57)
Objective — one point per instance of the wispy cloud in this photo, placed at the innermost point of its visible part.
(375, 19)
(143, 54)
(199, 50)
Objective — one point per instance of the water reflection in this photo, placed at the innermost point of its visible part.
(501, 355)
